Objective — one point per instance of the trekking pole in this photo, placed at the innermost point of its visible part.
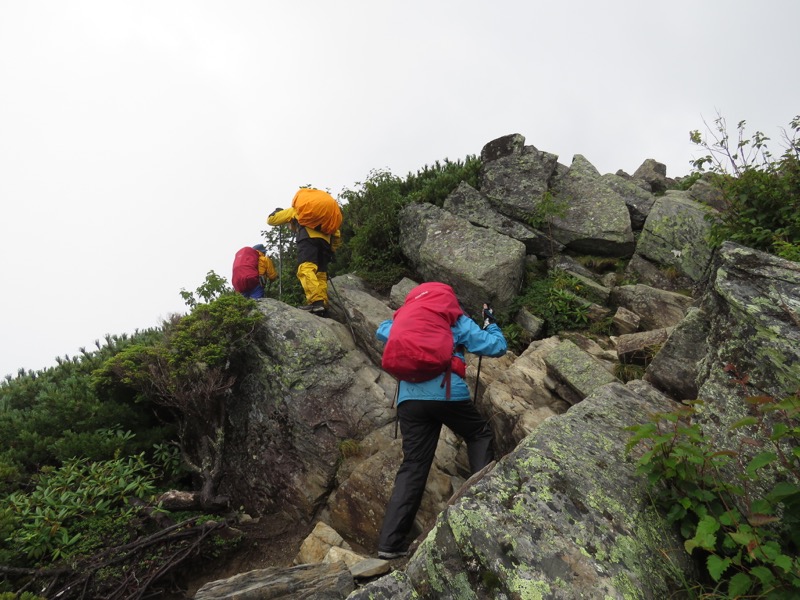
(487, 312)
(394, 405)
(478, 378)
(280, 264)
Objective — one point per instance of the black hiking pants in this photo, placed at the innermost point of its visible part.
(420, 424)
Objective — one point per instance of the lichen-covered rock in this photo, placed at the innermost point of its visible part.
(653, 173)
(517, 400)
(638, 200)
(468, 203)
(575, 373)
(674, 369)
(753, 308)
(516, 182)
(562, 517)
(667, 278)
(595, 219)
(480, 264)
(639, 348)
(675, 234)
(399, 292)
(656, 308)
(362, 313)
(305, 389)
(507, 145)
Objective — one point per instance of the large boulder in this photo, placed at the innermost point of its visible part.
(656, 308)
(638, 201)
(675, 234)
(480, 264)
(318, 581)
(574, 373)
(653, 174)
(563, 516)
(595, 219)
(306, 389)
(516, 177)
(362, 313)
(357, 505)
(518, 399)
(467, 202)
(753, 346)
(674, 369)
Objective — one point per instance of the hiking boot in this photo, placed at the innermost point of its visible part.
(316, 307)
(389, 555)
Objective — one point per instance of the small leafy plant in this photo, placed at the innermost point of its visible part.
(555, 300)
(747, 540)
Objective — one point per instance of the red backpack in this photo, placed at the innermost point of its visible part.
(245, 270)
(420, 344)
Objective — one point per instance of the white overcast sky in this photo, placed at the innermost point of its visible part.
(142, 143)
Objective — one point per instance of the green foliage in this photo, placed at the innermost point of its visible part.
(212, 288)
(684, 183)
(761, 192)
(628, 372)
(59, 413)
(349, 448)
(167, 460)
(746, 541)
(433, 184)
(283, 252)
(371, 228)
(516, 338)
(40, 524)
(554, 299)
(190, 372)
(547, 209)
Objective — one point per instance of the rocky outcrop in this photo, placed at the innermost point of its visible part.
(516, 177)
(471, 204)
(306, 391)
(753, 342)
(562, 514)
(318, 581)
(675, 235)
(480, 264)
(595, 218)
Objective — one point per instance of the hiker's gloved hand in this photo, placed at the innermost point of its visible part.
(488, 316)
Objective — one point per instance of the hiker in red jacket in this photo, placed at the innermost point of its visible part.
(251, 268)
(422, 408)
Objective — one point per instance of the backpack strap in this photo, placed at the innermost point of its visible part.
(446, 381)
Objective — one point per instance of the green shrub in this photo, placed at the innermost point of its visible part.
(761, 192)
(40, 524)
(554, 299)
(370, 227)
(747, 543)
(190, 372)
(60, 412)
(212, 288)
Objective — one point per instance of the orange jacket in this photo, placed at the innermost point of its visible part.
(289, 216)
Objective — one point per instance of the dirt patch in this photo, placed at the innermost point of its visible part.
(264, 543)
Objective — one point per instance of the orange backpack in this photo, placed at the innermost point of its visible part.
(318, 210)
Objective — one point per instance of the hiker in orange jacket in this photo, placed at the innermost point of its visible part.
(315, 250)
